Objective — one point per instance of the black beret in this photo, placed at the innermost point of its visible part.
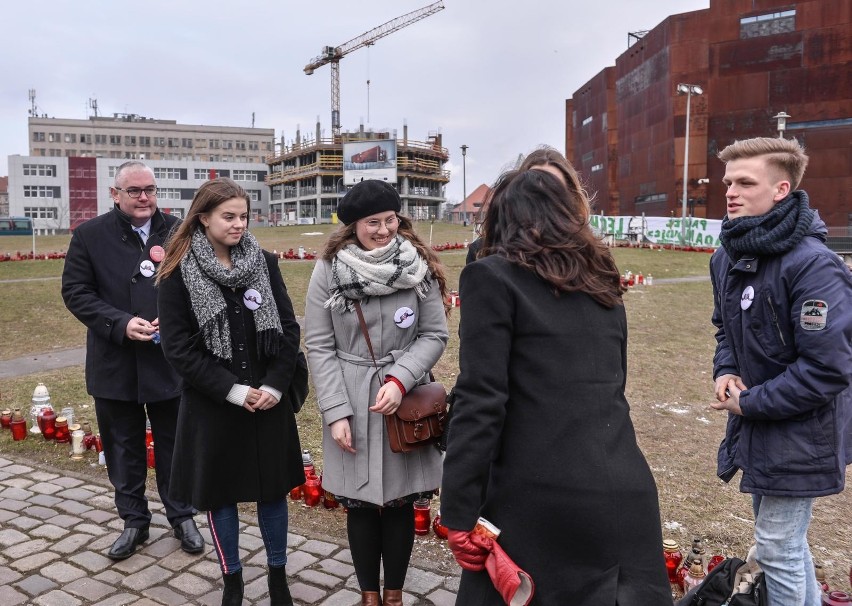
(367, 198)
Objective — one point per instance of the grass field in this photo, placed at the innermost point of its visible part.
(669, 386)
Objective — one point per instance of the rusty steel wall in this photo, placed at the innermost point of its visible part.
(750, 71)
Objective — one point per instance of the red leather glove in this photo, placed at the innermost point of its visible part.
(469, 549)
(515, 585)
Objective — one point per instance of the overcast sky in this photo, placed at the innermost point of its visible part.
(489, 74)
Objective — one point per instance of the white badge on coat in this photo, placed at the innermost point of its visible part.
(814, 315)
(748, 297)
(146, 268)
(252, 299)
(404, 317)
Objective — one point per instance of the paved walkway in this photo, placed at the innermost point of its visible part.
(56, 527)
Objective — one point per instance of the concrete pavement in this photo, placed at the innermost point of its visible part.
(56, 528)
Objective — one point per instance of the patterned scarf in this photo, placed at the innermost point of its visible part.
(357, 273)
(203, 274)
(774, 233)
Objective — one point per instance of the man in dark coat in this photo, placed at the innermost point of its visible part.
(108, 284)
(783, 310)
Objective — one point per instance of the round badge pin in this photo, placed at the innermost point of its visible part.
(747, 297)
(252, 299)
(146, 268)
(404, 317)
(157, 253)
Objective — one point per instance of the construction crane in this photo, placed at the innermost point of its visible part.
(333, 54)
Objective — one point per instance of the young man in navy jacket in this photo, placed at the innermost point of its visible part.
(783, 362)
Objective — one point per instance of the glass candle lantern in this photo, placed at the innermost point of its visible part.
(819, 571)
(68, 413)
(41, 399)
(715, 561)
(296, 493)
(673, 558)
(837, 598)
(77, 448)
(62, 434)
(99, 445)
(312, 491)
(47, 422)
(328, 500)
(439, 529)
(695, 576)
(18, 425)
(149, 455)
(422, 517)
(6, 418)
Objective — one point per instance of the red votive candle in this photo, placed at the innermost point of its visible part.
(673, 558)
(296, 493)
(439, 529)
(18, 424)
(312, 491)
(47, 423)
(422, 516)
(6, 418)
(62, 434)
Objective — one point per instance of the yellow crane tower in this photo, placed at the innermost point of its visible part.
(333, 54)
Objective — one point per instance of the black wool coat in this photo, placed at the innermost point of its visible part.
(542, 445)
(225, 454)
(103, 286)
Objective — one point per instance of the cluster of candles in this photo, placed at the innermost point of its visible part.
(312, 494)
(630, 279)
(687, 572)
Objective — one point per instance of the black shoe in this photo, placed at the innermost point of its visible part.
(127, 542)
(279, 593)
(191, 540)
(232, 594)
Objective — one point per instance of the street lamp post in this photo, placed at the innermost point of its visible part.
(781, 117)
(688, 90)
(464, 175)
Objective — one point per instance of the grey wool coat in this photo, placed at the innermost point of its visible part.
(346, 384)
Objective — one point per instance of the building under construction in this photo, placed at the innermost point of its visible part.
(743, 68)
(306, 178)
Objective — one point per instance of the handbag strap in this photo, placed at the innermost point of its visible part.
(364, 331)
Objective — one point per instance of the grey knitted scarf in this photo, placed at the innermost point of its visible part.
(774, 233)
(203, 275)
(357, 273)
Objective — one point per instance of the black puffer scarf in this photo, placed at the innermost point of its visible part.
(774, 233)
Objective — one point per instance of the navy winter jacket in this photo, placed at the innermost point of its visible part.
(785, 327)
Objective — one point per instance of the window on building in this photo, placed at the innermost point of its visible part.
(129, 140)
(646, 199)
(168, 193)
(768, 24)
(201, 173)
(254, 195)
(167, 173)
(70, 138)
(226, 144)
(253, 145)
(240, 145)
(38, 136)
(588, 157)
(54, 152)
(173, 142)
(40, 170)
(53, 137)
(244, 175)
(39, 151)
(177, 212)
(214, 157)
(41, 191)
(160, 141)
(115, 139)
(186, 143)
(587, 120)
(87, 139)
(597, 167)
(145, 141)
(100, 139)
(215, 144)
(41, 212)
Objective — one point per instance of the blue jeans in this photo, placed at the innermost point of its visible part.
(225, 531)
(781, 535)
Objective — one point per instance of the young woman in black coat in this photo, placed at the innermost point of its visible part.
(228, 329)
(541, 443)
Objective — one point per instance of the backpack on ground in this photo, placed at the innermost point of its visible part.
(719, 586)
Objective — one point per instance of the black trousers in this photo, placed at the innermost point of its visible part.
(122, 427)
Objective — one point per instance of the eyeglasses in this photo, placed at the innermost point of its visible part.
(135, 192)
(375, 224)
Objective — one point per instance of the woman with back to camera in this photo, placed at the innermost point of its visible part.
(375, 260)
(228, 329)
(541, 443)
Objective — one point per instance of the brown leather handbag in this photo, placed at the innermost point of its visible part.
(422, 414)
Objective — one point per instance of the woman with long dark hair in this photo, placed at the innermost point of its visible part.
(541, 443)
(228, 329)
(378, 263)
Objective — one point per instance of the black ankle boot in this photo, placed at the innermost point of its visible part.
(279, 593)
(233, 593)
